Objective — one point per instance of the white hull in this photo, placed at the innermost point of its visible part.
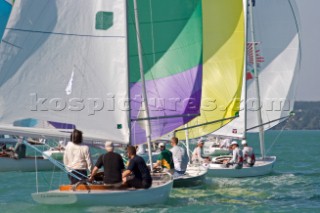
(261, 167)
(195, 175)
(157, 194)
(24, 165)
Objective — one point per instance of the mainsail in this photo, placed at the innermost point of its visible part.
(223, 64)
(45, 45)
(278, 58)
(171, 37)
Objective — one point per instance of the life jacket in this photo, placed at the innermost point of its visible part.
(240, 159)
(253, 157)
(250, 159)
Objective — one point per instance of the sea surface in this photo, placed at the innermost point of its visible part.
(294, 186)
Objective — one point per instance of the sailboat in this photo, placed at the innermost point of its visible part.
(273, 64)
(80, 71)
(195, 175)
(11, 161)
(195, 172)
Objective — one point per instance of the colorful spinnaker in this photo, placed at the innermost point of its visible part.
(224, 37)
(171, 36)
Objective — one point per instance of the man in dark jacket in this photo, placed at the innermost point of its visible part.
(137, 174)
(113, 166)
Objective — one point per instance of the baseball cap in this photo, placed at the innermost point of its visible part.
(234, 143)
(108, 144)
(161, 145)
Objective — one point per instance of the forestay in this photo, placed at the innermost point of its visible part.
(66, 61)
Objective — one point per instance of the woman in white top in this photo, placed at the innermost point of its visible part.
(77, 157)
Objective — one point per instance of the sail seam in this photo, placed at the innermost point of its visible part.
(64, 34)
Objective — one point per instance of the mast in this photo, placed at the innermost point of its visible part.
(245, 6)
(144, 91)
(256, 76)
(187, 141)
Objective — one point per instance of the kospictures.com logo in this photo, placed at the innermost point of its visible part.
(110, 102)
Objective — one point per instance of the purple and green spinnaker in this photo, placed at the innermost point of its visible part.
(171, 37)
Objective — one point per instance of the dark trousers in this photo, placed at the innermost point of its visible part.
(139, 183)
(76, 173)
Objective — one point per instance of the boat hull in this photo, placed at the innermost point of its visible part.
(157, 194)
(195, 176)
(24, 164)
(261, 167)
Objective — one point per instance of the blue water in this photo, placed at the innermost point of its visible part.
(293, 187)
(5, 9)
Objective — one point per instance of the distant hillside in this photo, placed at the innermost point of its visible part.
(307, 117)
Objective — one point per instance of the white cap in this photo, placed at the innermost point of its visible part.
(108, 144)
(243, 142)
(161, 145)
(234, 143)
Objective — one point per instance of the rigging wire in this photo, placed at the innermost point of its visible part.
(36, 166)
(57, 163)
(54, 167)
(277, 137)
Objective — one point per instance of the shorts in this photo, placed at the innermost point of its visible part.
(139, 184)
(76, 172)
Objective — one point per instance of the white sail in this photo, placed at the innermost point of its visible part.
(278, 56)
(45, 43)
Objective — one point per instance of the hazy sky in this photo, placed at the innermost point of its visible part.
(309, 79)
